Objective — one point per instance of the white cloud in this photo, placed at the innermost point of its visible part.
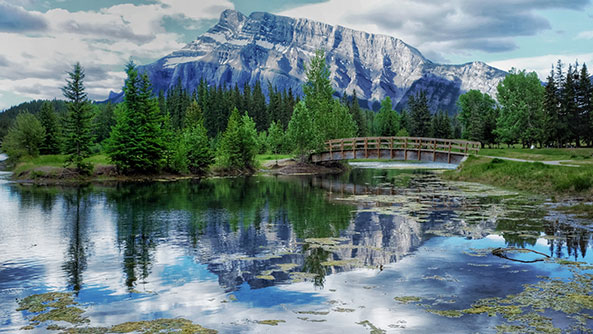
(542, 64)
(585, 35)
(438, 28)
(34, 65)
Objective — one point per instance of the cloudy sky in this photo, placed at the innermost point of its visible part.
(41, 39)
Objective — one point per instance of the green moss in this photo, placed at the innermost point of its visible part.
(270, 322)
(266, 277)
(311, 320)
(161, 325)
(524, 312)
(313, 312)
(343, 310)
(446, 313)
(57, 306)
(408, 299)
(372, 328)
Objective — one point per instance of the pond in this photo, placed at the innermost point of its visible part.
(371, 250)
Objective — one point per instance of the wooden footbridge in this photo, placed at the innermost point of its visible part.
(397, 148)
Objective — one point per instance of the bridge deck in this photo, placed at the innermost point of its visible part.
(397, 148)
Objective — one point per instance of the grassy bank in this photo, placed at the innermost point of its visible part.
(526, 176)
(55, 161)
(543, 154)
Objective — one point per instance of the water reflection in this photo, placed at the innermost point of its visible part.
(251, 233)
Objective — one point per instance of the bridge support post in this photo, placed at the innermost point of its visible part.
(391, 148)
(434, 150)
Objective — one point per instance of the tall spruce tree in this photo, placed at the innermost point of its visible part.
(585, 104)
(137, 144)
(238, 144)
(551, 120)
(358, 116)
(441, 125)
(49, 120)
(571, 109)
(419, 115)
(78, 136)
(195, 141)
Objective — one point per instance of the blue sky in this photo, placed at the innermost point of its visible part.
(41, 39)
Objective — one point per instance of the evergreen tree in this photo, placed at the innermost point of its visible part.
(24, 137)
(585, 104)
(387, 120)
(78, 123)
(405, 122)
(238, 144)
(477, 116)
(137, 143)
(551, 121)
(103, 121)
(49, 120)
(570, 106)
(357, 116)
(195, 139)
(302, 133)
(419, 115)
(441, 125)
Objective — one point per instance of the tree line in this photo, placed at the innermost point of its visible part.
(181, 131)
(557, 114)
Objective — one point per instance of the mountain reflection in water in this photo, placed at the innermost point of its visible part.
(260, 231)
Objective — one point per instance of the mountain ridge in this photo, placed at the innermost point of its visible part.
(242, 49)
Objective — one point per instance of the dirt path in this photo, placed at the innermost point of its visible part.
(551, 162)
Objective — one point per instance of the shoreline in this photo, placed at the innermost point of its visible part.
(63, 176)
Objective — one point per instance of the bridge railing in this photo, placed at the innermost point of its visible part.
(406, 143)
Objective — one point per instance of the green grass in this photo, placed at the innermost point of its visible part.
(543, 154)
(534, 177)
(268, 157)
(56, 160)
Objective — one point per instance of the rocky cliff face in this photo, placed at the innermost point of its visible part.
(243, 49)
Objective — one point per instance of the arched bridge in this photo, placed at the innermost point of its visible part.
(397, 148)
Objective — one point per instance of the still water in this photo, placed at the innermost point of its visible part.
(320, 254)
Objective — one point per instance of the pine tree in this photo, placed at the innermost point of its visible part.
(405, 122)
(358, 116)
(195, 139)
(419, 115)
(441, 125)
(569, 103)
(137, 143)
(238, 144)
(551, 112)
(103, 121)
(49, 120)
(78, 123)
(585, 104)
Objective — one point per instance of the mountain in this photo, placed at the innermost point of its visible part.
(243, 49)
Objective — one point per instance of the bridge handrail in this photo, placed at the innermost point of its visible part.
(408, 143)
